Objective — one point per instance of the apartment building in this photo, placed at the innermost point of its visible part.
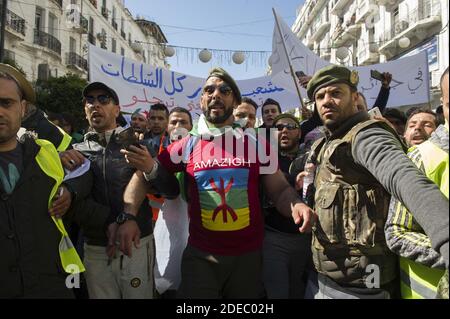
(50, 37)
(363, 32)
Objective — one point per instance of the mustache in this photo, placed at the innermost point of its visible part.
(328, 108)
(421, 135)
(215, 103)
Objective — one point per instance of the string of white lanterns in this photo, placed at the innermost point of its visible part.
(222, 56)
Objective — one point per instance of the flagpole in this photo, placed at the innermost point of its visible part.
(289, 60)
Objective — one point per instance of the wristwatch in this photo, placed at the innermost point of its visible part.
(150, 176)
(123, 217)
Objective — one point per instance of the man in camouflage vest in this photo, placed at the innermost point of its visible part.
(360, 163)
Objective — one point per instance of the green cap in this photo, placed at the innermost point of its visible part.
(329, 75)
(224, 76)
(286, 116)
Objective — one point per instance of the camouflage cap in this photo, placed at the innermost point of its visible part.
(329, 75)
(224, 76)
(25, 86)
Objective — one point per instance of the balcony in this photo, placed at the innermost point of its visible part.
(48, 41)
(365, 56)
(339, 6)
(105, 13)
(364, 9)
(325, 54)
(58, 2)
(73, 60)
(15, 25)
(137, 47)
(10, 55)
(343, 34)
(91, 38)
(82, 25)
(94, 3)
(308, 14)
(320, 28)
(420, 21)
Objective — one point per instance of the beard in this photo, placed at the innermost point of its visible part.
(332, 125)
(217, 119)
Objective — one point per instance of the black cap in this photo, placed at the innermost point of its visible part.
(101, 86)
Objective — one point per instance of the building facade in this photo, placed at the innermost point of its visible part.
(363, 32)
(50, 37)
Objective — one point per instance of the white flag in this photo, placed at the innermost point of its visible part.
(409, 86)
(301, 57)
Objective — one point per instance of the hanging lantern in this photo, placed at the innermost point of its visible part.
(205, 56)
(169, 52)
(404, 42)
(238, 57)
(342, 53)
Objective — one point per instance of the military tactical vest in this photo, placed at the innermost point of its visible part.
(352, 207)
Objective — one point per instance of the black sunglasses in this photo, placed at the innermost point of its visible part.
(102, 99)
(290, 127)
(224, 89)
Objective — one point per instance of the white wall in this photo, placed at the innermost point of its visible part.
(29, 55)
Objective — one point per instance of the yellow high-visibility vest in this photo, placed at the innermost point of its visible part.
(49, 162)
(65, 141)
(419, 281)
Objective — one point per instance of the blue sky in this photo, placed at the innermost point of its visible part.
(236, 25)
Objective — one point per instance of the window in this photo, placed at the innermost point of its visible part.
(53, 25)
(39, 18)
(72, 45)
(395, 16)
(103, 39)
(91, 25)
(122, 51)
(114, 45)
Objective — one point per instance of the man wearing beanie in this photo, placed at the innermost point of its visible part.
(223, 258)
(360, 164)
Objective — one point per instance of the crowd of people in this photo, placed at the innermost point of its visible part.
(346, 204)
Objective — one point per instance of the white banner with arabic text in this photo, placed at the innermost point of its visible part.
(140, 85)
(410, 76)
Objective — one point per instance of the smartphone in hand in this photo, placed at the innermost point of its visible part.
(300, 74)
(376, 75)
(375, 112)
(127, 137)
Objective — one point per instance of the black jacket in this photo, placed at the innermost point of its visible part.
(30, 266)
(46, 130)
(111, 175)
